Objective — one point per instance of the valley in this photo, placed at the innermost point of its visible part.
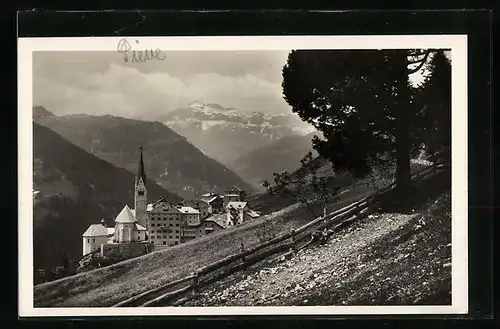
(171, 161)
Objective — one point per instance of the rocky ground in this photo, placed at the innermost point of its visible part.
(385, 259)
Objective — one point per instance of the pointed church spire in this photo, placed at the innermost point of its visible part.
(140, 169)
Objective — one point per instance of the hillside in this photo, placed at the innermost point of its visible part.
(105, 286)
(170, 160)
(226, 134)
(282, 155)
(109, 285)
(385, 259)
(73, 190)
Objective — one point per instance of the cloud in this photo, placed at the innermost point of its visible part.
(126, 91)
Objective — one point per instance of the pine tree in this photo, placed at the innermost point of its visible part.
(361, 101)
(433, 101)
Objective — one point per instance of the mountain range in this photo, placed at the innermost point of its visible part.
(226, 134)
(170, 160)
(73, 189)
(282, 155)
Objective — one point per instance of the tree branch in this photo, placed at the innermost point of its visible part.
(422, 62)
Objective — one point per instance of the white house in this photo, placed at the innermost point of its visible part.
(192, 217)
(236, 212)
(94, 237)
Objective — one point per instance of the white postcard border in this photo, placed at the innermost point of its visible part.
(458, 46)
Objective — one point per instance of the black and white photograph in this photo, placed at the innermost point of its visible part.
(243, 175)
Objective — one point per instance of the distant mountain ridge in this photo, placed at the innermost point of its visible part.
(73, 189)
(170, 160)
(226, 134)
(282, 155)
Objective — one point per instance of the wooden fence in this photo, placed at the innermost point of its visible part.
(179, 291)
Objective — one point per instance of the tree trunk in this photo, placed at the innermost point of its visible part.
(310, 208)
(403, 143)
(403, 182)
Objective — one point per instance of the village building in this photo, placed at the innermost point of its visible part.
(234, 194)
(94, 237)
(165, 222)
(214, 223)
(236, 213)
(199, 205)
(215, 203)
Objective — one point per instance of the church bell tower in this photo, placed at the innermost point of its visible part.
(141, 193)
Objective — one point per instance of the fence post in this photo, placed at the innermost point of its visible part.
(242, 249)
(196, 282)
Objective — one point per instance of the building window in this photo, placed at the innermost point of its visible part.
(176, 243)
(164, 236)
(171, 225)
(176, 236)
(138, 237)
(170, 237)
(88, 240)
(164, 242)
(177, 224)
(141, 193)
(93, 240)
(152, 224)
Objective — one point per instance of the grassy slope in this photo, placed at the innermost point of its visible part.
(109, 285)
(388, 259)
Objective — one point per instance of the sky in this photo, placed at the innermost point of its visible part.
(103, 83)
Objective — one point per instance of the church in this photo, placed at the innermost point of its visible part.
(130, 224)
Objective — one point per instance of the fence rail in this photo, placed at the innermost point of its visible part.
(176, 292)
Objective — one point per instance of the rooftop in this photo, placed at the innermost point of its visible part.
(188, 210)
(236, 205)
(125, 216)
(210, 200)
(96, 230)
(219, 219)
(140, 227)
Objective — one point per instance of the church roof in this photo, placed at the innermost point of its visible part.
(111, 230)
(96, 230)
(140, 170)
(139, 227)
(125, 216)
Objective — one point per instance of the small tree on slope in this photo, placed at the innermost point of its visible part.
(303, 185)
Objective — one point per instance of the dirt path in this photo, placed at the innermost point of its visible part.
(384, 259)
